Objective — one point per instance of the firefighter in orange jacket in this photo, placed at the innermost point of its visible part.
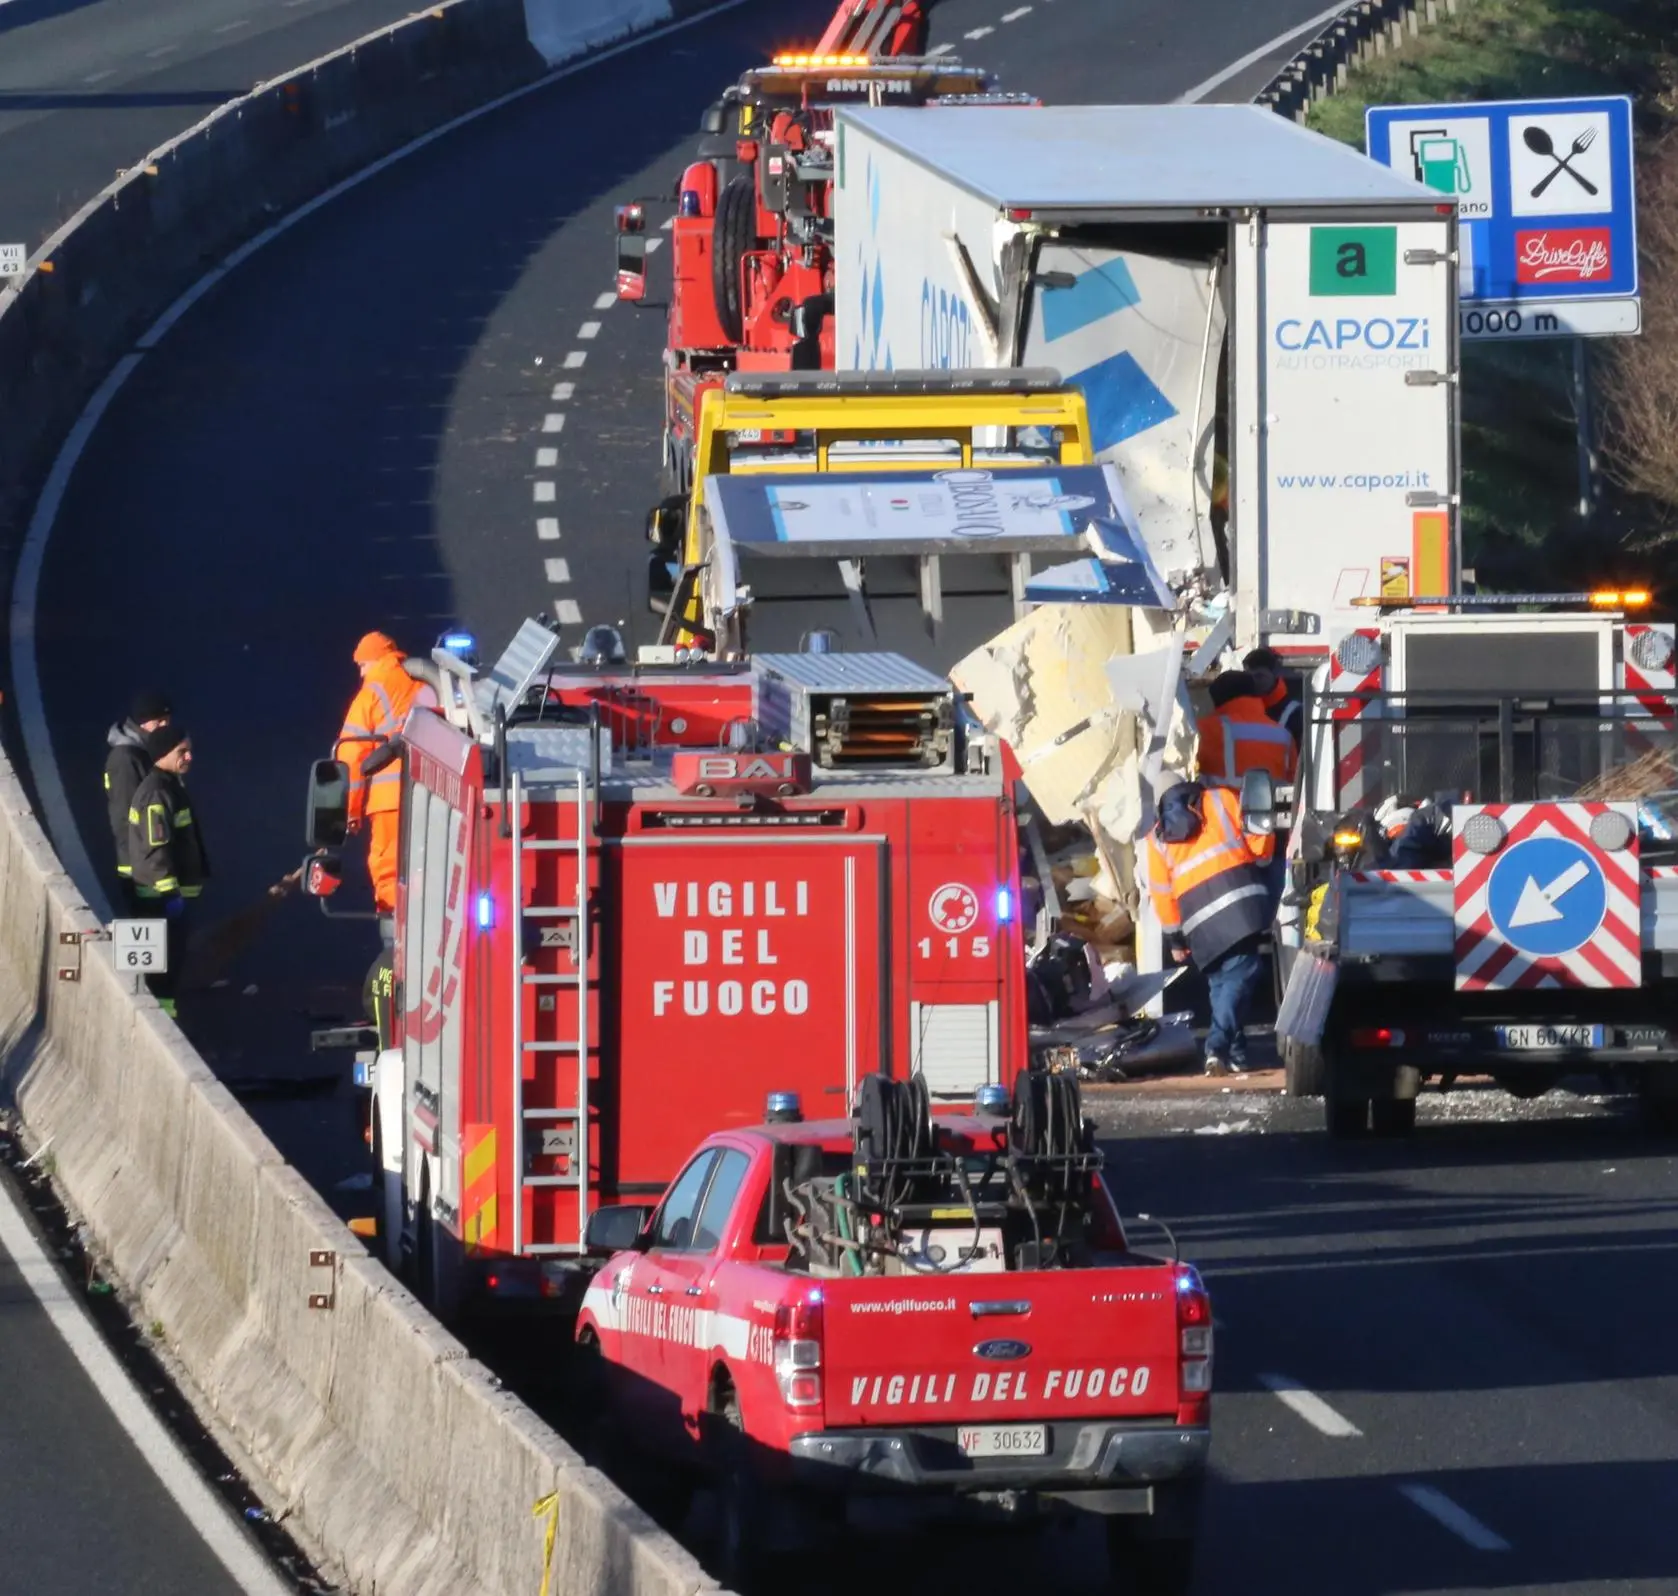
(1239, 735)
(1206, 878)
(375, 715)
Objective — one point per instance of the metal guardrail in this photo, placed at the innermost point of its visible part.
(1366, 30)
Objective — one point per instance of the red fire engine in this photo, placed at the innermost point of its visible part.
(752, 239)
(636, 897)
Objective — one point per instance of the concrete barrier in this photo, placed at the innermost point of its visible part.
(394, 1456)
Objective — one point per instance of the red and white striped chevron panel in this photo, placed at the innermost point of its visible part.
(1356, 770)
(1550, 907)
(1415, 877)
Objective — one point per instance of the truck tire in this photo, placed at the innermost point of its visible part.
(1145, 1565)
(1305, 1069)
(733, 233)
(742, 1539)
(1345, 1117)
(1393, 1116)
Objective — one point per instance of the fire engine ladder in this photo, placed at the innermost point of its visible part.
(572, 918)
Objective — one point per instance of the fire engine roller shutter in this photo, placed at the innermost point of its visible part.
(748, 965)
(954, 1045)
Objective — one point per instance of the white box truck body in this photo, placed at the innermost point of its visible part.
(1223, 285)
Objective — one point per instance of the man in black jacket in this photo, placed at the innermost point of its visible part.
(126, 766)
(166, 849)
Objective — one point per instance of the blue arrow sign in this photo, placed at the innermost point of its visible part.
(1546, 896)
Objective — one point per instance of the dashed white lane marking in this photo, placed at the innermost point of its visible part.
(233, 27)
(653, 244)
(200, 1506)
(165, 49)
(1309, 1406)
(563, 391)
(546, 459)
(99, 77)
(977, 33)
(554, 421)
(670, 221)
(26, 581)
(558, 572)
(568, 613)
(1458, 1520)
(575, 359)
(1016, 13)
(547, 527)
(589, 329)
(605, 301)
(942, 49)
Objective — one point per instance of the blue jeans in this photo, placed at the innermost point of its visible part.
(1231, 982)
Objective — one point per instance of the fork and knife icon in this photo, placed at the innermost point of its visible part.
(1539, 142)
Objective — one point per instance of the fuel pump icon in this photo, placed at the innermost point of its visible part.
(1441, 163)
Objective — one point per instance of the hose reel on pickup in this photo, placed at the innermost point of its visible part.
(923, 1199)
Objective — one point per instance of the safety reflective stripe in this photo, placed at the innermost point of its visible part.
(125, 870)
(1235, 766)
(190, 892)
(1288, 720)
(1223, 901)
(1186, 877)
(157, 825)
(107, 781)
(1159, 885)
(159, 888)
(183, 818)
(387, 717)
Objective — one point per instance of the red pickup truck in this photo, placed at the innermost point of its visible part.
(940, 1308)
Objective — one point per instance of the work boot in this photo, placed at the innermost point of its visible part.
(1216, 1065)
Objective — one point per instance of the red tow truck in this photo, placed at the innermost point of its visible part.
(938, 1308)
(751, 243)
(633, 897)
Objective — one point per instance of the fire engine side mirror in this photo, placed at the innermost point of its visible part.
(616, 1229)
(632, 253)
(328, 821)
(660, 584)
(1258, 804)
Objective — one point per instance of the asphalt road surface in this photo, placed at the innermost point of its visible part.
(89, 86)
(84, 1508)
(415, 409)
(1468, 1332)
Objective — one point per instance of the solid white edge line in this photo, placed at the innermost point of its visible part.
(1458, 1520)
(1253, 57)
(1309, 1406)
(175, 1470)
(57, 817)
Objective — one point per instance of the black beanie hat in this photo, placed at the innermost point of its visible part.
(1230, 684)
(164, 740)
(150, 705)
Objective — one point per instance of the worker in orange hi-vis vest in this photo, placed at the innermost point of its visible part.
(376, 715)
